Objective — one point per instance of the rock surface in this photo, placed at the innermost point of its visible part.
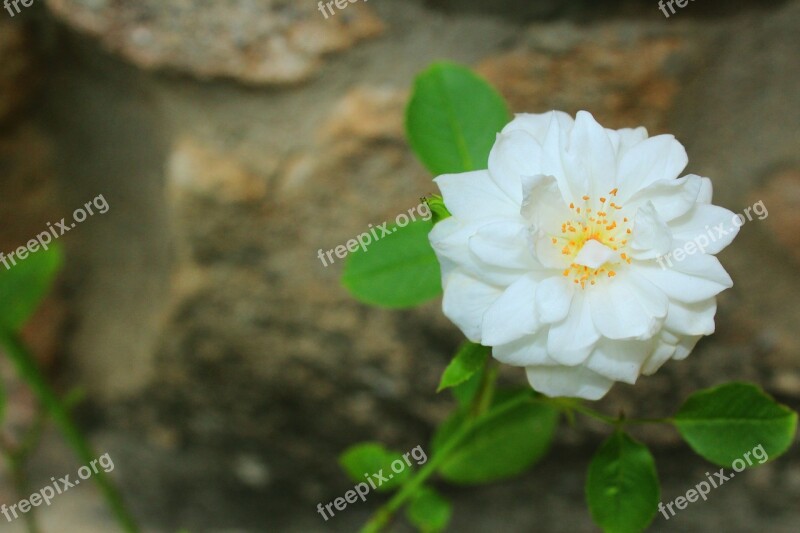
(269, 42)
(18, 74)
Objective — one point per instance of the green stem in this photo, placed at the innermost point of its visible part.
(483, 399)
(479, 406)
(15, 460)
(27, 369)
(569, 405)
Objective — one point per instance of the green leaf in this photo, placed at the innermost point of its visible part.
(469, 359)
(453, 118)
(429, 511)
(722, 424)
(466, 391)
(23, 286)
(622, 486)
(398, 271)
(499, 446)
(371, 461)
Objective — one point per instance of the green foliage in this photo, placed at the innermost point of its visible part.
(453, 118)
(373, 458)
(398, 271)
(24, 286)
(498, 446)
(622, 486)
(470, 359)
(724, 422)
(429, 511)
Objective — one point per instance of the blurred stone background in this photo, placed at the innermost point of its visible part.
(224, 367)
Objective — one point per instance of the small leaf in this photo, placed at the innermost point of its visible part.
(453, 118)
(622, 486)
(400, 270)
(466, 391)
(499, 446)
(469, 359)
(725, 422)
(373, 462)
(437, 207)
(429, 511)
(23, 286)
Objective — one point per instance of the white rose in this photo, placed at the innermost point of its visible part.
(555, 255)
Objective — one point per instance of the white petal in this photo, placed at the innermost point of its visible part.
(651, 236)
(594, 254)
(706, 192)
(515, 154)
(662, 353)
(590, 161)
(553, 147)
(466, 301)
(692, 319)
(624, 139)
(529, 350)
(685, 347)
(623, 309)
(565, 381)
(537, 125)
(503, 244)
(571, 341)
(474, 196)
(513, 315)
(694, 279)
(553, 299)
(657, 158)
(450, 241)
(620, 360)
(543, 206)
(671, 199)
(710, 227)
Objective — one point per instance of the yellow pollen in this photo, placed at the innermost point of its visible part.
(601, 226)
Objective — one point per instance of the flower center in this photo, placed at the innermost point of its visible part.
(592, 238)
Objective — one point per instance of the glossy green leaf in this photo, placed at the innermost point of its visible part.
(622, 487)
(499, 446)
(470, 358)
(453, 119)
(373, 462)
(23, 286)
(429, 511)
(400, 270)
(722, 424)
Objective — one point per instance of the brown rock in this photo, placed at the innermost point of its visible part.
(272, 42)
(781, 196)
(625, 76)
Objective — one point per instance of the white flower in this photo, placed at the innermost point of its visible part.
(554, 255)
